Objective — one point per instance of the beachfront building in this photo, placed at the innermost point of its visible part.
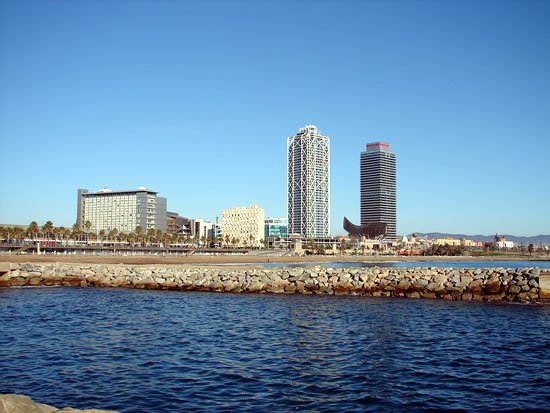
(243, 226)
(202, 229)
(378, 187)
(123, 211)
(176, 224)
(275, 227)
(308, 183)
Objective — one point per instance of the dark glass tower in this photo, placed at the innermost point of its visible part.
(378, 201)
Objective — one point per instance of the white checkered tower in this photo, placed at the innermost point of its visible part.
(308, 183)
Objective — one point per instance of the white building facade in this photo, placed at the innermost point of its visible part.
(308, 183)
(121, 210)
(200, 228)
(245, 225)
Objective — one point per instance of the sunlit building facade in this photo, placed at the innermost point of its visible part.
(308, 183)
(123, 211)
(244, 225)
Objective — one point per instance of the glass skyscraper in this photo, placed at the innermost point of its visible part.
(308, 183)
(378, 192)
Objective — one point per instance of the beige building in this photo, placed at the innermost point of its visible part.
(245, 225)
(447, 241)
(468, 243)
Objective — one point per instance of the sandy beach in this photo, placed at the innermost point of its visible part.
(232, 259)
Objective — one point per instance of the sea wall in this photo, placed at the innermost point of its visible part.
(490, 284)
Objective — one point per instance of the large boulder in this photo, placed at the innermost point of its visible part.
(493, 286)
(15, 403)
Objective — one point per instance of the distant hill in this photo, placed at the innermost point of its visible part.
(535, 240)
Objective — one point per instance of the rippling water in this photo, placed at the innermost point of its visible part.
(158, 351)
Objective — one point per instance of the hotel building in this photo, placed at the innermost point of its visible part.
(246, 225)
(378, 187)
(121, 210)
(308, 183)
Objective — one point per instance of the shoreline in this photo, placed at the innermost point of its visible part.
(240, 259)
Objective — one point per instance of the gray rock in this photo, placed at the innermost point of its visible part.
(465, 280)
(514, 289)
(13, 403)
(435, 287)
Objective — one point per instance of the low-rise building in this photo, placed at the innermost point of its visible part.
(199, 228)
(502, 243)
(275, 227)
(468, 243)
(175, 224)
(447, 241)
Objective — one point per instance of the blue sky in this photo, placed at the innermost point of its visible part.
(195, 99)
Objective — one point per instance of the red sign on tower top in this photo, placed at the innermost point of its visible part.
(375, 145)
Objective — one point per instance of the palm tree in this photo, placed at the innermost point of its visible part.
(63, 233)
(87, 228)
(102, 235)
(47, 229)
(57, 233)
(138, 233)
(32, 230)
(151, 235)
(76, 233)
(342, 247)
(112, 234)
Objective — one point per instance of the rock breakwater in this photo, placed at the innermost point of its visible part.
(490, 284)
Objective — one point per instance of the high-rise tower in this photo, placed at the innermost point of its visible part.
(308, 183)
(378, 187)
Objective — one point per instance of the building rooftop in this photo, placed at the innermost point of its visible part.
(110, 191)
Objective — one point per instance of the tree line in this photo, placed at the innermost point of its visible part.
(84, 234)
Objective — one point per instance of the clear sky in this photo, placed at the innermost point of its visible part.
(196, 99)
